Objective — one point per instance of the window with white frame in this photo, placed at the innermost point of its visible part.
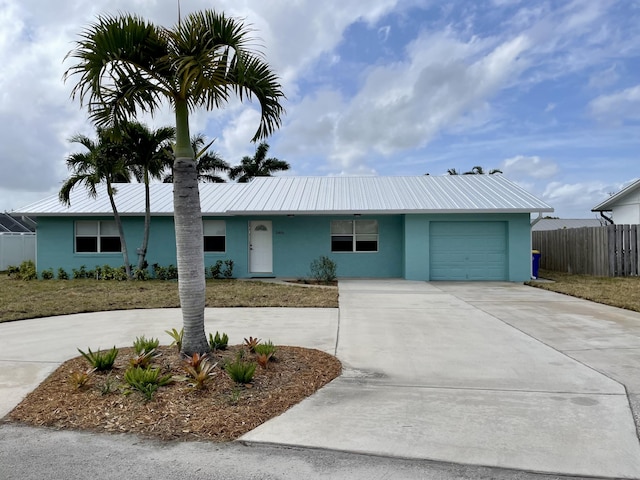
(215, 236)
(354, 236)
(97, 236)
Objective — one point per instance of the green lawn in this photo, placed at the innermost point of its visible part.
(42, 298)
(623, 292)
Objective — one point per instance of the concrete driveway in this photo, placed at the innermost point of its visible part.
(454, 372)
(493, 374)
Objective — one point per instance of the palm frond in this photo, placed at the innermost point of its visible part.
(121, 65)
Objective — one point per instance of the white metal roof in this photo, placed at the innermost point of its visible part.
(315, 195)
(613, 199)
(423, 194)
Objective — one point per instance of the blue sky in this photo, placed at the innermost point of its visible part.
(548, 92)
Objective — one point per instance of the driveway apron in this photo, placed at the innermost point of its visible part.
(432, 371)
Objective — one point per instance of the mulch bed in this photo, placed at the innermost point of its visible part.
(221, 412)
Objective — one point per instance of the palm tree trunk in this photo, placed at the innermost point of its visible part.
(189, 238)
(142, 253)
(123, 242)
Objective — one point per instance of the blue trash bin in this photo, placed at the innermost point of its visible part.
(535, 254)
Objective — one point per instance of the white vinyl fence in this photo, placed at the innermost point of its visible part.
(15, 248)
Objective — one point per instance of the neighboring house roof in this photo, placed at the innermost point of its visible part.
(608, 204)
(315, 195)
(11, 224)
(561, 223)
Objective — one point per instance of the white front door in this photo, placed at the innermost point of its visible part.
(260, 247)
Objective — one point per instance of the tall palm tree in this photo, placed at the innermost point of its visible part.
(149, 152)
(104, 161)
(208, 164)
(257, 166)
(126, 64)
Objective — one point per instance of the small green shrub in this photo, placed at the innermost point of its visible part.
(228, 269)
(81, 272)
(172, 272)
(98, 272)
(241, 371)
(101, 360)
(13, 271)
(216, 270)
(235, 396)
(120, 274)
(26, 271)
(146, 380)
(141, 274)
(165, 273)
(219, 342)
(265, 348)
(47, 274)
(62, 274)
(323, 269)
(177, 337)
(108, 385)
(159, 272)
(143, 344)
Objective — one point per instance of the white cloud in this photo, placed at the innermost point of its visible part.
(235, 140)
(310, 125)
(577, 198)
(298, 33)
(383, 33)
(521, 166)
(404, 105)
(604, 78)
(617, 107)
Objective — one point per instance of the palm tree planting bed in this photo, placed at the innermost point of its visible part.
(222, 411)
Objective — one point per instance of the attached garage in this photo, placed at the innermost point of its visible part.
(468, 251)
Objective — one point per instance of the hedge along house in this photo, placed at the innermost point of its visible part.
(462, 227)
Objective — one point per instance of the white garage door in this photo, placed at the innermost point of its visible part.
(468, 251)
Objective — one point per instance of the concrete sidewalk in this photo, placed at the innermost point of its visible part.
(475, 373)
(430, 374)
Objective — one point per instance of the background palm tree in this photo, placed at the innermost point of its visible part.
(126, 64)
(208, 164)
(257, 166)
(148, 153)
(104, 161)
(477, 170)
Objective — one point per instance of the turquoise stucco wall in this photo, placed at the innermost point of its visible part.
(296, 242)
(403, 245)
(416, 242)
(55, 243)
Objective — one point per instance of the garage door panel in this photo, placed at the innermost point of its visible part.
(468, 251)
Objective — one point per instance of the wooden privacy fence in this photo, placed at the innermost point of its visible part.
(610, 251)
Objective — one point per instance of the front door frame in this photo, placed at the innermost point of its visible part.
(260, 264)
